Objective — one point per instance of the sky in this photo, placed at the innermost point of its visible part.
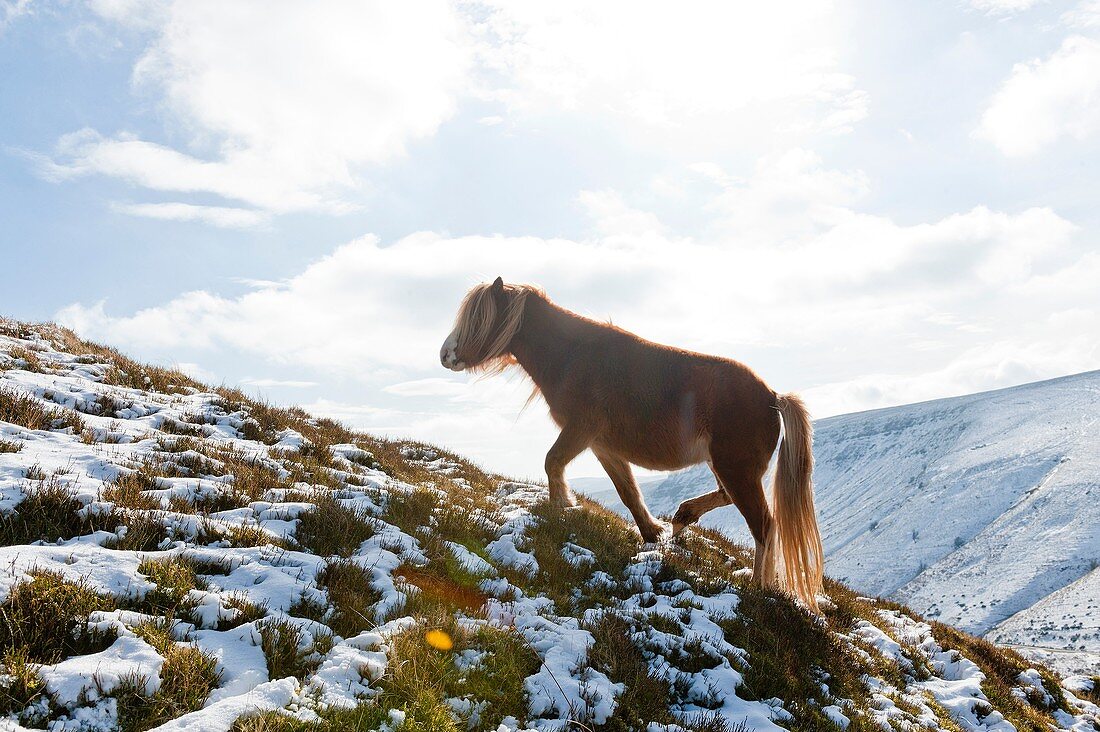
(870, 203)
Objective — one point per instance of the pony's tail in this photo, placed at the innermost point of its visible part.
(795, 518)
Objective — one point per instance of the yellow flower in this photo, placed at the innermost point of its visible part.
(439, 639)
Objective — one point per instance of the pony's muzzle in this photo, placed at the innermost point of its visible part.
(448, 356)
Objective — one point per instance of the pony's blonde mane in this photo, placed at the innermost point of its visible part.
(483, 342)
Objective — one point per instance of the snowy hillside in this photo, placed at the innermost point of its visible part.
(177, 557)
(970, 510)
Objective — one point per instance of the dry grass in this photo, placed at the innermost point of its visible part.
(331, 528)
(25, 359)
(139, 530)
(127, 490)
(10, 445)
(46, 619)
(409, 510)
(187, 678)
(246, 611)
(252, 476)
(47, 513)
(426, 676)
(352, 597)
(1002, 667)
(287, 652)
(26, 411)
(646, 697)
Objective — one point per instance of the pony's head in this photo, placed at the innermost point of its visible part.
(488, 319)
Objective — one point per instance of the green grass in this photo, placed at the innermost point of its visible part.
(598, 530)
(46, 619)
(331, 528)
(47, 513)
(174, 579)
(21, 687)
(352, 597)
(187, 678)
(425, 675)
(367, 716)
(287, 654)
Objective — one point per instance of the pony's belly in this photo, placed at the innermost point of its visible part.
(657, 454)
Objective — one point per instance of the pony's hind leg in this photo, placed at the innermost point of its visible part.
(623, 477)
(570, 443)
(692, 509)
(745, 487)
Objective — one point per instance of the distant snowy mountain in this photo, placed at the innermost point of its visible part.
(982, 511)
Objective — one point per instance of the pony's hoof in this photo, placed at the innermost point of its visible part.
(660, 533)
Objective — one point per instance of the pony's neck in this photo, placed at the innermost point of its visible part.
(543, 344)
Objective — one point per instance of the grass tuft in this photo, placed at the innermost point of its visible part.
(1002, 666)
(352, 597)
(127, 490)
(426, 676)
(49, 512)
(788, 649)
(46, 619)
(174, 579)
(599, 531)
(287, 652)
(26, 411)
(187, 678)
(367, 716)
(409, 510)
(22, 690)
(331, 528)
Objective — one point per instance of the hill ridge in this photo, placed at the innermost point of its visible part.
(176, 557)
(970, 509)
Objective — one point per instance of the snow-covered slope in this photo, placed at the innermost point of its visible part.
(971, 509)
(1062, 629)
(175, 557)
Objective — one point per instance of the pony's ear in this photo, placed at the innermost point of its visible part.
(498, 286)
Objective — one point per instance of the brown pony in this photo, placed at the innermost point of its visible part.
(633, 401)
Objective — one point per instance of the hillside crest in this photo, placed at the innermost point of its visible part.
(175, 556)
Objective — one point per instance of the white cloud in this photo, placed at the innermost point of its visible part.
(278, 383)
(197, 372)
(12, 9)
(284, 106)
(1004, 7)
(432, 387)
(851, 302)
(1085, 15)
(280, 103)
(725, 68)
(1045, 100)
(228, 218)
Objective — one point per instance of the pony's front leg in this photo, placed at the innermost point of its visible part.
(570, 443)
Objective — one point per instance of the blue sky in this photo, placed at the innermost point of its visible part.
(871, 203)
